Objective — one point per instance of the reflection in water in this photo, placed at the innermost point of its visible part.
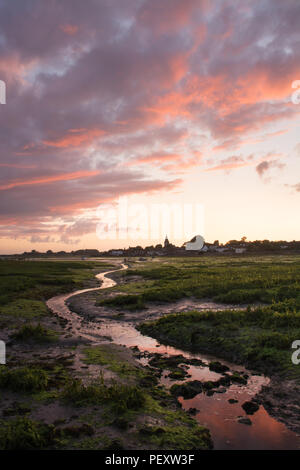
(214, 411)
(221, 419)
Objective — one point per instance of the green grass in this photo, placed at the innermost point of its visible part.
(260, 338)
(25, 434)
(133, 396)
(36, 333)
(129, 302)
(222, 279)
(179, 437)
(26, 309)
(105, 356)
(119, 397)
(177, 430)
(26, 285)
(40, 280)
(24, 379)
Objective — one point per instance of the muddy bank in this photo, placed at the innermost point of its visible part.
(279, 397)
(281, 400)
(150, 427)
(158, 423)
(85, 305)
(217, 401)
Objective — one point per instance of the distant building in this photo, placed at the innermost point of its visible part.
(166, 243)
(116, 252)
(195, 244)
(240, 250)
(221, 249)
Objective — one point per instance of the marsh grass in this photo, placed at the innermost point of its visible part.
(260, 338)
(35, 333)
(23, 309)
(120, 398)
(26, 285)
(129, 302)
(40, 280)
(105, 356)
(24, 379)
(224, 279)
(125, 369)
(178, 437)
(25, 434)
(135, 396)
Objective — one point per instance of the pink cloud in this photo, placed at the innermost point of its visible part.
(49, 179)
(95, 88)
(69, 29)
(75, 138)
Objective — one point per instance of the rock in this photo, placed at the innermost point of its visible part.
(208, 385)
(193, 411)
(235, 377)
(232, 400)
(221, 390)
(187, 390)
(216, 366)
(121, 423)
(148, 381)
(195, 362)
(225, 380)
(76, 431)
(146, 431)
(268, 403)
(250, 407)
(151, 430)
(245, 421)
(177, 374)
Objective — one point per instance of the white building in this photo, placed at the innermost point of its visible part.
(240, 250)
(196, 244)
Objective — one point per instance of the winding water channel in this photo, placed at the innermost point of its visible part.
(214, 411)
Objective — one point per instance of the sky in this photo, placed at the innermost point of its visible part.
(174, 102)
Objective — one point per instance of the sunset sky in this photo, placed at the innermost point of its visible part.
(174, 101)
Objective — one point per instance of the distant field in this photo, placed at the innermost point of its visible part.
(243, 280)
(25, 285)
(259, 336)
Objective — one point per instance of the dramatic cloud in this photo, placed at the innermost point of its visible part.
(114, 97)
(231, 163)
